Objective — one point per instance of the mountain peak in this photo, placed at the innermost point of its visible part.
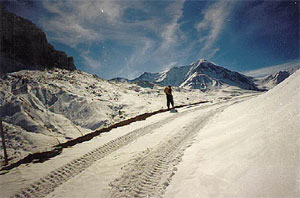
(199, 62)
(201, 74)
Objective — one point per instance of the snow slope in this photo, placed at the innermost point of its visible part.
(45, 108)
(250, 150)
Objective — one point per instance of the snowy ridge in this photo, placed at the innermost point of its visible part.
(201, 81)
(174, 76)
(272, 80)
(201, 75)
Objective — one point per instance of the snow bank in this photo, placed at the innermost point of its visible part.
(249, 150)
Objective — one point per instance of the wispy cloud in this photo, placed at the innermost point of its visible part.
(132, 66)
(212, 25)
(170, 65)
(152, 41)
(76, 22)
(87, 23)
(171, 33)
(105, 20)
(93, 64)
(71, 33)
(158, 51)
(272, 69)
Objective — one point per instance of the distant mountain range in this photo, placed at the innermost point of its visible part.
(274, 79)
(201, 75)
(206, 76)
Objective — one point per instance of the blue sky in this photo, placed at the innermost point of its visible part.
(126, 38)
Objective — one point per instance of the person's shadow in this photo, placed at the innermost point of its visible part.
(173, 111)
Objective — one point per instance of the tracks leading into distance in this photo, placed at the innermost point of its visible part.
(154, 167)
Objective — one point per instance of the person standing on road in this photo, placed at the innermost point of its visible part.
(168, 92)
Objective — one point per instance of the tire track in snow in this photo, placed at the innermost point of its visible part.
(151, 173)
(55, 178)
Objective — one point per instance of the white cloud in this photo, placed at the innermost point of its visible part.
(77, 22)
(262, 72)
(85, 22)
(137, 58)
(170, 65)
(152, 39)
(212, 25)
(67, 26)
(97, 10)
(93, 64)
(171, 33)
(157, 53)
(212, 53)
(71, 33)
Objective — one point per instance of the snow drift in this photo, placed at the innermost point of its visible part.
(249, 150)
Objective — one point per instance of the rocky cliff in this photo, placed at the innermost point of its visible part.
(24, 46)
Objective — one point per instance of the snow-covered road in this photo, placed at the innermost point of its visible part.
(247, 146)
(135, 160)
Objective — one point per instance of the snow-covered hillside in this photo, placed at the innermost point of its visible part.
(45, 108)
(201, 75)
(272, 80)
(249, 150)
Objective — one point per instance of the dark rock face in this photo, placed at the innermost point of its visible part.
(25, 46)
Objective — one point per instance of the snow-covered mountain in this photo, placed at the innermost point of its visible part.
(201, 75)
(274, 79)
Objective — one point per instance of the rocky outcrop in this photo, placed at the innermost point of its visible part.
(24, 46)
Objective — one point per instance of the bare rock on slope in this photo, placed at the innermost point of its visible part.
(24, 46)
